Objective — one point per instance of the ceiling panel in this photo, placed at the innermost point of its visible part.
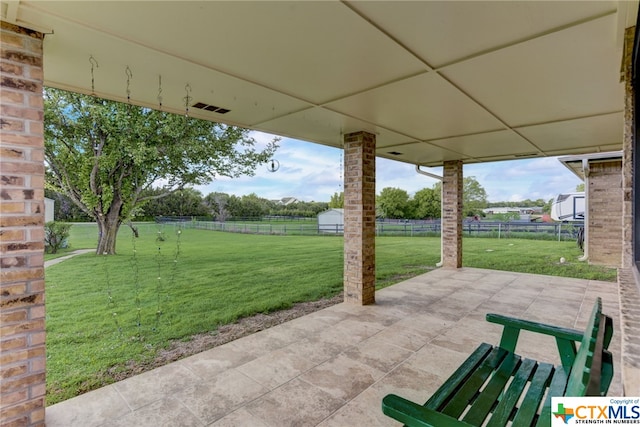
(442, 32)
(489, 145)
(573, 134)
(287, 46)
(329, 127)
(550, 78)
(419, 153)
(314, 70)
(424, 107)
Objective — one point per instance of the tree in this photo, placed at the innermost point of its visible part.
(337, 200)
(580, 187)
(427, 203)
(104, 154)
(183, 202)
(217, 203)
(474, 196)
(394, 203)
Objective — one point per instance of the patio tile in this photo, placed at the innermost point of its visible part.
(438, 361)
(362, 411)
(240, 418)
(212, 400)
(342, 377)
(93, 408)
(210, 363)
(276, 368)
(296, 403)
(154, 385)
(167, 412)
(379, 355)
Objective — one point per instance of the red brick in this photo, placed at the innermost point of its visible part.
(11, 125)
(22, 274)
(24, 168)
(11, 235)
(13, 371)
(7, 317)
(23, 327)
(21, 113)
(11, 96)
(15, 397)
(23, 140)
(13, 343)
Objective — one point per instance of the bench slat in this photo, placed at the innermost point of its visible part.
(459, 401)
(487, 399)
(557, 388)
(504, 410)
(440, 397)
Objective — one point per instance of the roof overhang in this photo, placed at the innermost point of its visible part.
(578, 164)
(433, 80)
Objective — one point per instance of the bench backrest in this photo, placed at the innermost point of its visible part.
(592, 370)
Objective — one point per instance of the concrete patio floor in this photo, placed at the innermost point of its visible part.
(332, 367)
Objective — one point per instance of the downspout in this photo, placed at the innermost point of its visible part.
(439, 178)
(585, 170)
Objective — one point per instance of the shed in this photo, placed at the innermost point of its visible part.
(331, 221)
(49, 208)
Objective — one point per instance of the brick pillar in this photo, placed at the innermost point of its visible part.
(604, 219)
(627, 154)
(359, 218)
(22, 333)
(452, 214)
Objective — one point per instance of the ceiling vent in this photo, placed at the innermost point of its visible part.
(394, 153)
(213, 108)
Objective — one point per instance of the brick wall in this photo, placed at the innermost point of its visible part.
(359, 218)
(452, 214)
(628, 280)
(605, 207)
(22, 332)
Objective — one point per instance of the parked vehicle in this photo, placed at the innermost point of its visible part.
(568, 207)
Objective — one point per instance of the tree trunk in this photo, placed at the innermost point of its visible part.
(108, 226)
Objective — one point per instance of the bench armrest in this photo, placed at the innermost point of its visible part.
(565, 337)
(414, 415)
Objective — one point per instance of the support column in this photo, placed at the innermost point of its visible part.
(22, 315)
(359, 218)
(630, 223)
(452, 214)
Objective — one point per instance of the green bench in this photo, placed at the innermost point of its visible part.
(495, 386)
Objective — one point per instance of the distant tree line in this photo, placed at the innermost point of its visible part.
(392, 202)
(191, 203)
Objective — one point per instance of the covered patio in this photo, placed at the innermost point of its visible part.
(432, 83)
(332, 367)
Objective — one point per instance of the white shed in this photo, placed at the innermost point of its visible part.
(49, 207)
(331, 221)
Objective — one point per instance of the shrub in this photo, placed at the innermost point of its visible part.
(55, 236)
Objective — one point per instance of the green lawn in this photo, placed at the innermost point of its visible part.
(103, 312)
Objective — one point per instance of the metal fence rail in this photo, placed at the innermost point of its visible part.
(548, 231)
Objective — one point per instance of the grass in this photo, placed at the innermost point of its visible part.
(104, 313)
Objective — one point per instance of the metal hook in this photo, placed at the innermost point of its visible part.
(187, 99)
(93, 63)
(160, 91)
(129, 74)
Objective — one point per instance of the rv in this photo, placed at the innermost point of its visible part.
(568, 207)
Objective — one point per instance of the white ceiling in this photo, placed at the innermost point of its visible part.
(434, 80)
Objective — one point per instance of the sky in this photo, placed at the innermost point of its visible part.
(313, 172)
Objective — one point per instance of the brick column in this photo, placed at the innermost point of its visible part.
(22, 333)
(452, 214)
(359, 218)
(628, 141)
(604, 219)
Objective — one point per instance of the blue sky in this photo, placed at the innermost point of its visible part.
(312, 172)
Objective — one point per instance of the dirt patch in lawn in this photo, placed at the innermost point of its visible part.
(180, 349)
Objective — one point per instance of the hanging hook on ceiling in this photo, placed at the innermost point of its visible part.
(129, 74)
(187, 99)
(94, 64)
(160, 92)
